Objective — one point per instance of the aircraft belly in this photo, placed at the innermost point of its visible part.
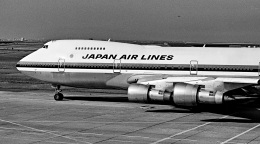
(84, 80)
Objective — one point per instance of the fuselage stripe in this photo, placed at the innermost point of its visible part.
(134, 66)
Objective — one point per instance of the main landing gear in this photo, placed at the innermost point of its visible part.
(58, 96)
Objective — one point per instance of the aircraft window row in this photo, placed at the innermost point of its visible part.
(148, 67)
(228, 68)
(90, 48)
(41, 65)
(179, 68)
(49, 65)
(88, 66)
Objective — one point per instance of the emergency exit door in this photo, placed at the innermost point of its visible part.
(193, 67)
(117, 66)
(61, 65)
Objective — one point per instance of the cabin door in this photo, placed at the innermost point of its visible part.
(117, 66)
(193, 67)
(61, 65)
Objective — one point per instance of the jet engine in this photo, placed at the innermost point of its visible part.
(182, 94)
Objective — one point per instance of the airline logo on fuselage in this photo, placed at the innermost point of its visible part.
(128, 57)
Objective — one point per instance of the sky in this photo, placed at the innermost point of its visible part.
(168, 20)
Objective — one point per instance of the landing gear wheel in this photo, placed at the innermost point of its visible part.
(58, 96)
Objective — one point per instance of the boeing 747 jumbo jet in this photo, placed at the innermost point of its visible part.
(181, 76)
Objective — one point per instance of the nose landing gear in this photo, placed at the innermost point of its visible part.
(58, 96)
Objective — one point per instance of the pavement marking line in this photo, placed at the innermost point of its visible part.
(33, 133)
(136, 137)
(49, 139)
(122, 141)
(185, 140)
(18, 138)
(90, 133)
(18, 129)
(107, 122)
(113, 135)
(240, 134)
(185, 131)
(180, 133)
(34, 139)
(60, 142)
(44, 131)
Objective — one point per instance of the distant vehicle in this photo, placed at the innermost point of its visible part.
(181, 76)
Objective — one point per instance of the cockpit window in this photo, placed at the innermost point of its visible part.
(45, 46)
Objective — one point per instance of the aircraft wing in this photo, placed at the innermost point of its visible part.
(142, 78)
(223, 84)
(204, 88)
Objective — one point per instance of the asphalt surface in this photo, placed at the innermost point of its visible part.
(34, 117)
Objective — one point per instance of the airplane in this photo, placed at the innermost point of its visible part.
(179, 76)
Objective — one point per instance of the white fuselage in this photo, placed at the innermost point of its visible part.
(90, 63)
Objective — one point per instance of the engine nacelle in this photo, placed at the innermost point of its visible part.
(192, 95)
(182, 94)
(185, 94)
(144, 93)
(138, 93)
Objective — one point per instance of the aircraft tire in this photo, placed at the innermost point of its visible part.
(58, 97)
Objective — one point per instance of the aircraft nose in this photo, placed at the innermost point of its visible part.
(23, 63)
(19, 65)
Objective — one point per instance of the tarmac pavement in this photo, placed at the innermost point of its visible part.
(34, 117)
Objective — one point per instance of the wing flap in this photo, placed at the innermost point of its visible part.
(239, 80)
